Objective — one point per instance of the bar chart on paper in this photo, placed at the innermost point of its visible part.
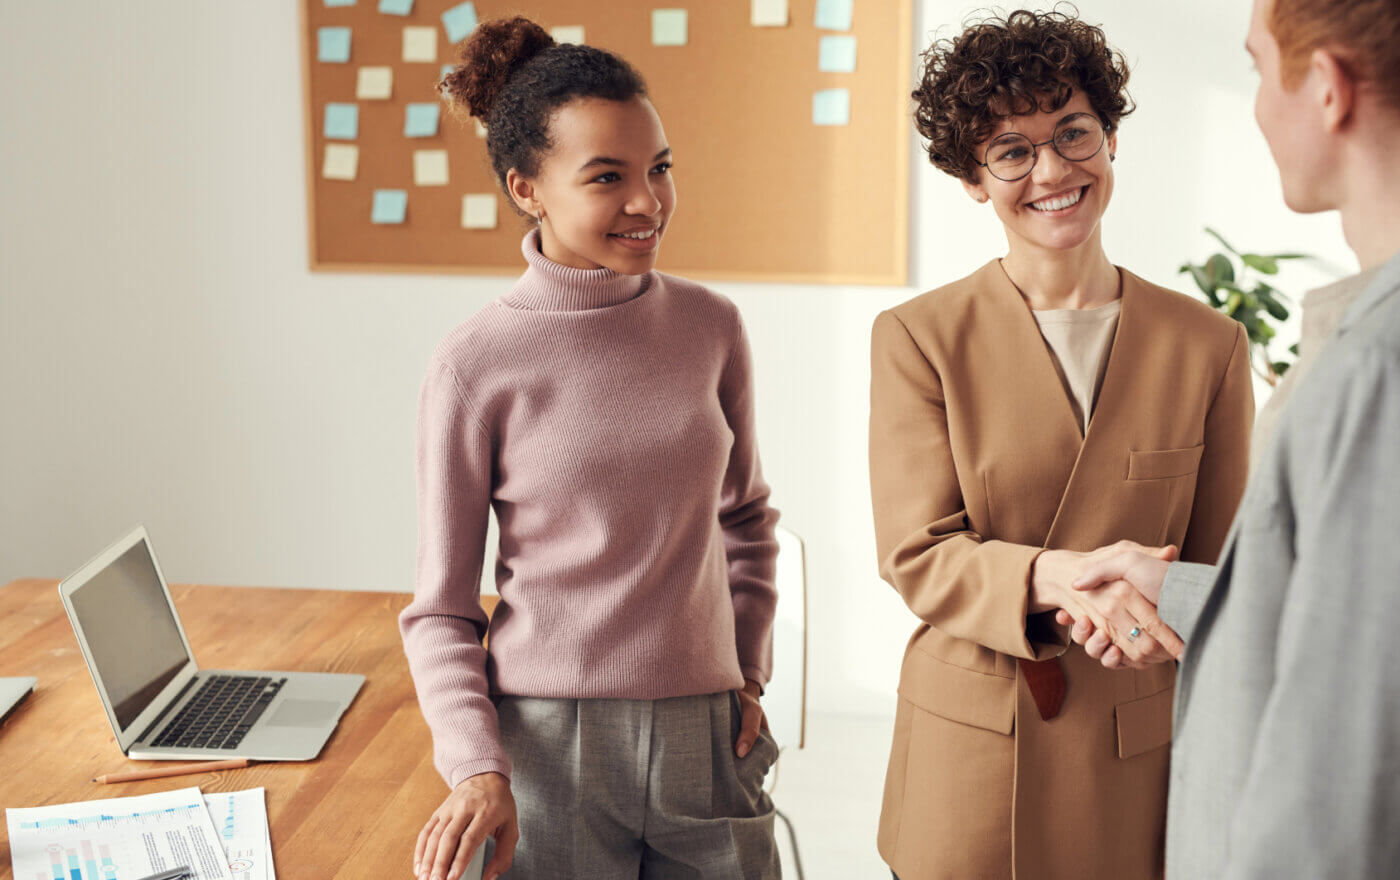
(116, 839)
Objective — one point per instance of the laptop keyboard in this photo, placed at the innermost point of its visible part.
(220, 713)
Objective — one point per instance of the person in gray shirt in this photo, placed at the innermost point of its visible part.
(1286, 752)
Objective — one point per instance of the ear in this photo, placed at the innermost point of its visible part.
(976, 191)
(1335, 88)
(1112, 144)
(522, 192)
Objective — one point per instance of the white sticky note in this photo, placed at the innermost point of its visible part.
(834, 15)
(572, 33)
(837, 55)
(668, 27)
(769, 13)
(430, 167)
(479, 211)
(480, 128)
(342, 161)
(420, 44)
(831, 107)
(374, 83)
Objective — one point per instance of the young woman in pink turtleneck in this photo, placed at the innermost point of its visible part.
(605, 412)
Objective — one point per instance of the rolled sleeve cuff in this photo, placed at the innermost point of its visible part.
(478, 767)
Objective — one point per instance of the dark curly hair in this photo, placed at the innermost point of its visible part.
(512, 75)
(1001, 67)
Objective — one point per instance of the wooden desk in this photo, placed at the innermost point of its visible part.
(353, 812)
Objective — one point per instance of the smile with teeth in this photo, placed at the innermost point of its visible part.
(1060, 202)
(636, 236)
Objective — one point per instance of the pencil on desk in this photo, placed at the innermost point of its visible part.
(175, 770)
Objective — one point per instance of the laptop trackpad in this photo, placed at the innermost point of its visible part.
(304, 713)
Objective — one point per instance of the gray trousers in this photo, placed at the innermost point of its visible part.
(625, 789)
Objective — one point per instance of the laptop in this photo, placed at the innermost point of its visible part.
(12, 690)
(160, 704)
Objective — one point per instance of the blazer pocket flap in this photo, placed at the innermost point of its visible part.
(1158, 464)
(978, 699)
(1145, 724)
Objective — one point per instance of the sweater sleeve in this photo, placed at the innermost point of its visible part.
(950, 576)
(748, 521)
(444, 625)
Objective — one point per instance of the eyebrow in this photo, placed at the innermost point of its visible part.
(618, 163)
(1057, 123)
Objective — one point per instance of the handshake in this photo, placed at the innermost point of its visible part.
(1109, 599)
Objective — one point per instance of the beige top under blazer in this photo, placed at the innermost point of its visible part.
(977, 464)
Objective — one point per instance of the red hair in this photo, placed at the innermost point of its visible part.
(1363, 34)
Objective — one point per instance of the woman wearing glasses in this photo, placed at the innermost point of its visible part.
(1049, 404)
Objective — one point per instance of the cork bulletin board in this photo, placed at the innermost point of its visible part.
(791, 147)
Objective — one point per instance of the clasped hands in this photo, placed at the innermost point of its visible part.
(1103, 596)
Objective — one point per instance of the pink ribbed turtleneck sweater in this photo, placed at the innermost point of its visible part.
(608, 419)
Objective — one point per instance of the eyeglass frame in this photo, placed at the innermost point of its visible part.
(1035, 147)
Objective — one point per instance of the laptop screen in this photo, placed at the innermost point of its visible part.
(130, 631)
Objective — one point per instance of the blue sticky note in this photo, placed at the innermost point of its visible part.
(390, 206)
(459, 21)
(446, 69)
(396, 7)
(834, 15)
(420, 120)
(340, 2)
(831, 107)
(838, 55)
(342, 121)
(333, 44)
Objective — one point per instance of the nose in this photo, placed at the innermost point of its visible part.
(642, 200)
(1050, 166)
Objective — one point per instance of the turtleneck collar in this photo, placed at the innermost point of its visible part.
(549, 287)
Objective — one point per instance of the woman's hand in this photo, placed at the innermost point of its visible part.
(752, 720)
(1113, 609)
(478, 806)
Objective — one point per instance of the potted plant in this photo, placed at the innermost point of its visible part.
(1241, 291)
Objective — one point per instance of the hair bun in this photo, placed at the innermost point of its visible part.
(487, 57)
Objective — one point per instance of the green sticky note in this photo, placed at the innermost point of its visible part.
(459, 21)
(669, 27)
(390, 206)
(342, 121)
(837, 55)
(420, 120)
(340, 2)
(396, 7)
(333, 44)
(834, 15)
(831, 107)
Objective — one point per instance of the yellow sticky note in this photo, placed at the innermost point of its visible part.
(342, 160)
(420, 44)
(568, 34)
(479, 211)
(430, 167)
(374, 83)
(769, 13)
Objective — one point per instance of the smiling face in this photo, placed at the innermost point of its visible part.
(604, 189)
(1059, 204)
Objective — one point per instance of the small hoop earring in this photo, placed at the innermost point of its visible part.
(1112, 156)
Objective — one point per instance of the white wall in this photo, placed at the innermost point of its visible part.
(166, 357)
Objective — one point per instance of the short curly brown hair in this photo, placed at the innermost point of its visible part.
(1000, 67)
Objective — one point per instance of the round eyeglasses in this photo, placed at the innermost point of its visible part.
(1012, 156)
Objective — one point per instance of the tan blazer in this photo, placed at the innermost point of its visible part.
(976, 465)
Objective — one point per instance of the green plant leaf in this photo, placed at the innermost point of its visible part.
(1261, 263)
(1221, 239)
(1281, 367)
(1293, 349)
(1220, 269)
(1198, 274)
(1233, 302)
